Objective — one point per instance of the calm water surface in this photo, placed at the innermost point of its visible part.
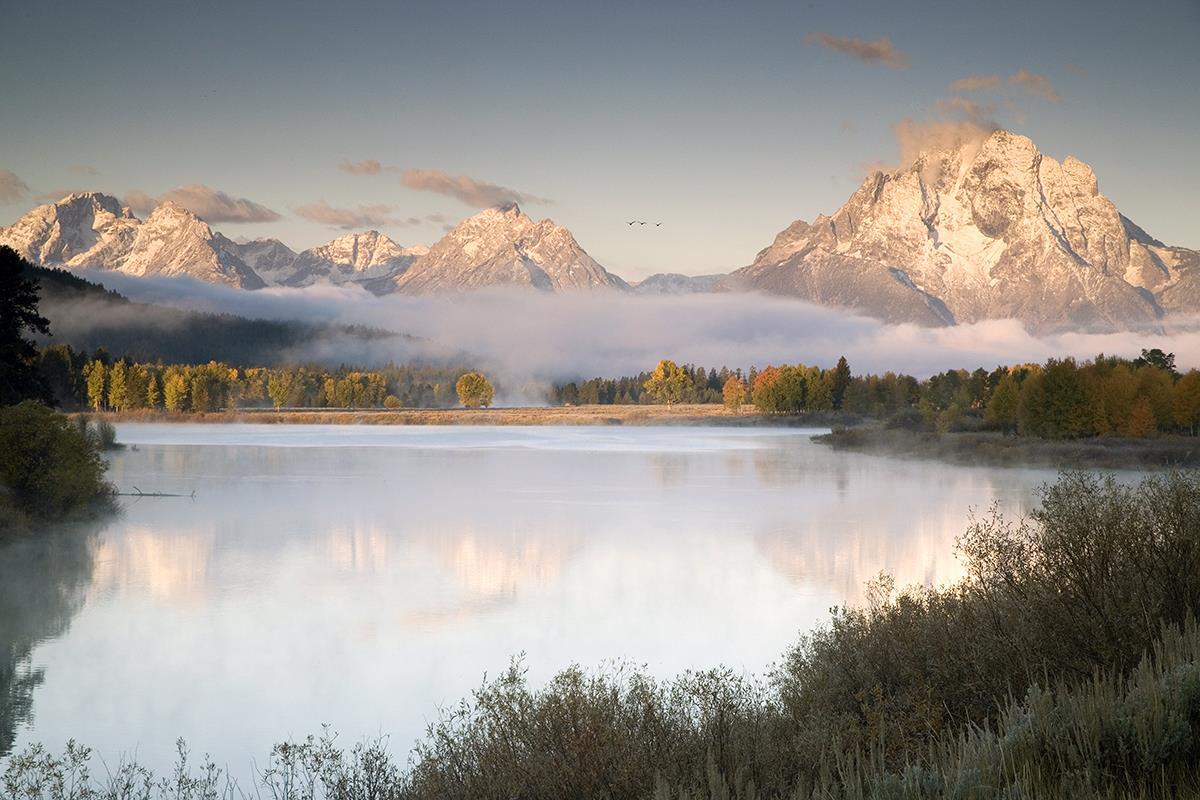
(364, 576)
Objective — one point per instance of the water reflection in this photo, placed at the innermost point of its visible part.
(43, 580)
(165, 566)
(374, 574)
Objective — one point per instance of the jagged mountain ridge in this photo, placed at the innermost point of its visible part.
(990, 228)
(498, 246)
(93, 231)
(502, 246)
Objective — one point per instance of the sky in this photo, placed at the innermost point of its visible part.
(725, 121)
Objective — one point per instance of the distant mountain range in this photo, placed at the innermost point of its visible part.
(988, 228)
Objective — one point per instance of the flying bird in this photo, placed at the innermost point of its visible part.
(631, 223)
(641, 223)
(658, 224)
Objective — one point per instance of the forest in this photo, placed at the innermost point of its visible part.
(1060, 399)
(101, 383)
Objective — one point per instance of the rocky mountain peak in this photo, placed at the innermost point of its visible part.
(982, 227)
(502, 246)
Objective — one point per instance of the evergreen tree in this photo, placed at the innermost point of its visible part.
(56, 365)
(19, 294)
(840, 382)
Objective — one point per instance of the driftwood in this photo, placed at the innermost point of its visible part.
(139, 493)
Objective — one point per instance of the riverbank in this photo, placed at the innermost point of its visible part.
(980, 447)
(684, 414)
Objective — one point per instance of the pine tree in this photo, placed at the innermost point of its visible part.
(840, 382)
(19, 295)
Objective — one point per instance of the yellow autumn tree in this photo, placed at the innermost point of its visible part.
(1141, 421)
(734, 393)
(474, 390)
(666, 383)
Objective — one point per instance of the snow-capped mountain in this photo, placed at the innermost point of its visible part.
(89, 230)
(174, 241)
(84, 230)
(503, 247)
(677, 283)
(353, 257)
(270, 258)
(990, 228)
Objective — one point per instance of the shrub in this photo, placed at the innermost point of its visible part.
(48, 468)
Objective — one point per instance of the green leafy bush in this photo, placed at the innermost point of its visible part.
(49, 469)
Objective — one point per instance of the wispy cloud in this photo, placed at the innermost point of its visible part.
(1031, 82)
(211, 205)
(83, 169)
(968, 108)
(12, 188)
(468, 190)
(370, 216)
(1035, 84)
(976, 83)
(915, 137)
(877, 51)
(367, 167)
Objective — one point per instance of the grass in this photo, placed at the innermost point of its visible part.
(679, 414)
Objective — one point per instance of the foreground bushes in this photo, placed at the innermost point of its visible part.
(50, 468)
(1066, 664)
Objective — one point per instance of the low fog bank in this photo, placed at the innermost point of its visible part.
(527, 335)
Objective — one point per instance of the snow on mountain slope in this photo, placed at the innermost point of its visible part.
(90, 230)
(503, 247)
(354, 257)
(86, 230)
(990, 228)
(270, 258)
(174, 241)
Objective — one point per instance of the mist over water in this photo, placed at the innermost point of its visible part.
(365, 576)
(524, 336)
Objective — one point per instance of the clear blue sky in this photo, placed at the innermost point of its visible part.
(717, 118)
